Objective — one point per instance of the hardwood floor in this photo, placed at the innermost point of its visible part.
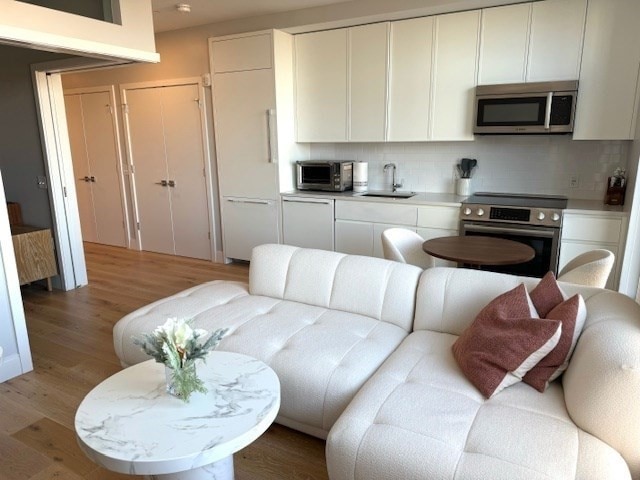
(71, 343)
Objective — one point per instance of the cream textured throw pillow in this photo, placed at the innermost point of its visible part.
(504, 342)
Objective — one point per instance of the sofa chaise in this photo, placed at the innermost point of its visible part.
(362, 347)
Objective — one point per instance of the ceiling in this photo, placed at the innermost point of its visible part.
(166, 17)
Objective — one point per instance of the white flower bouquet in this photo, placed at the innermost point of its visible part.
(177, 345)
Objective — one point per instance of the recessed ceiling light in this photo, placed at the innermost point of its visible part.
(183, 7)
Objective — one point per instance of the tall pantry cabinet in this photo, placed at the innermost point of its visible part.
(254, 134)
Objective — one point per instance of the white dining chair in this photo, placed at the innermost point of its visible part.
(591, 268)
(405, 246)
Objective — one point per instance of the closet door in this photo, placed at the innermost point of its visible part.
(185, 158)
(73, 107)
(104, 163)
(96, 163)
(145, 132)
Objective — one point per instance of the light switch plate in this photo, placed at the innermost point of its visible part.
(41, 182)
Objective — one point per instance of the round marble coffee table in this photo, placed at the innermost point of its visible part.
(130, 424)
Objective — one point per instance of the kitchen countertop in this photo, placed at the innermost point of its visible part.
(421, 198)
(594, 207)
(587, 207)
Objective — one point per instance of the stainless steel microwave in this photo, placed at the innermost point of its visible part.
(325, 175)
(525, 108)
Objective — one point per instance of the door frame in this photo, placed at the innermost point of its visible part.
(111, 90)
(209, 183)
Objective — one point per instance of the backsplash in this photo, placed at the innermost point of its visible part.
(515, 164)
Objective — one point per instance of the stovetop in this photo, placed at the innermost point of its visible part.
(557, 202)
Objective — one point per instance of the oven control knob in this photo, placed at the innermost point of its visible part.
(541, 216)
(480, 212)
(555, 217)
(467, 211)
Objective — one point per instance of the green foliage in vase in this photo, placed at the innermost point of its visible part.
(177, 345)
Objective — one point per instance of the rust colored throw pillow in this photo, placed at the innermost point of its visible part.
(547, 295)
(572, 313)
(504, 342)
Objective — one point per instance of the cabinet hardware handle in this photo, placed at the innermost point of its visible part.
(85, 178)
(171, 183)
(257, 202)
(322, 202)
(162, 182)
(93, 179)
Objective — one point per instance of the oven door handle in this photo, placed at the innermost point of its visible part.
(514, 231)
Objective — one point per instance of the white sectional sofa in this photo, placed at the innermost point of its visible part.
(362, 347)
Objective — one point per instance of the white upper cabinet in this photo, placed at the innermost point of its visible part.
(607, 97)
(557, 30)
(454, 77)
(321, 86)
(504, 44)
(252, 52)
(368, 56)
(411, 45)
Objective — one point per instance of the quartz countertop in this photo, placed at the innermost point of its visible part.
(594, 207)
(420, 198)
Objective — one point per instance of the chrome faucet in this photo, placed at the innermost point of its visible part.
(394, 185)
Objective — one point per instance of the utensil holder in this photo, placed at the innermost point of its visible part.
(463, 187)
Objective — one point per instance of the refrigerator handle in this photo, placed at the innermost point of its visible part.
(272, 139)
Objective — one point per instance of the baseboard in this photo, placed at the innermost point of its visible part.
(10, 367)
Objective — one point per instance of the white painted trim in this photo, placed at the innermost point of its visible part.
(206, 151)
(59, 168)
(21, 363)
(110, 89)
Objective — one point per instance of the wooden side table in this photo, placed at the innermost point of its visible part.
(34, 254)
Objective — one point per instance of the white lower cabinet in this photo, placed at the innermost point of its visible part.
(248, 223)
(354, 238)
(584, 232)
(308, 222)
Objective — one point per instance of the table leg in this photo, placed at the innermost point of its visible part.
(221, 470)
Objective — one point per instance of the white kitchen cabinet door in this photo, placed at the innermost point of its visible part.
(368, 54)
(455, 66)
(354, 238)
(608, 99)
(308, 222)
(378, 228)
(504, 41)
(557, 30)
(184, 148)
(95, 151)
(244, 103)
(411, 45)
(247, 223)
(166, 147)
(251, 52)
(321, 86)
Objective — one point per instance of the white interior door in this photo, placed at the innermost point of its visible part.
(145, 137)
(104, 168)
(73, 107)
(181, 115)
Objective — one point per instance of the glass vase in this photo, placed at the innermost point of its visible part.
(183, 382)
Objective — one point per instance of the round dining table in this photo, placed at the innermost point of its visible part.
(479, 250)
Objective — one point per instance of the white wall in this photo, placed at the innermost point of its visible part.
(522, 164)
(16, 358)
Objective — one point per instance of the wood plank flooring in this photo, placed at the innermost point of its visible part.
(71, 343)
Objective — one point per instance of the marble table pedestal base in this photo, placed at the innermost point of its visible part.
(221, 470)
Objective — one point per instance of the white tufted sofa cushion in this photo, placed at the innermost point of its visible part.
(304, 319)
(419, 417)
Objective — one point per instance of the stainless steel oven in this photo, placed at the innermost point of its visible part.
(530, 219)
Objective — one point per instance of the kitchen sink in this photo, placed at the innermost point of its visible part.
(387, 194)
